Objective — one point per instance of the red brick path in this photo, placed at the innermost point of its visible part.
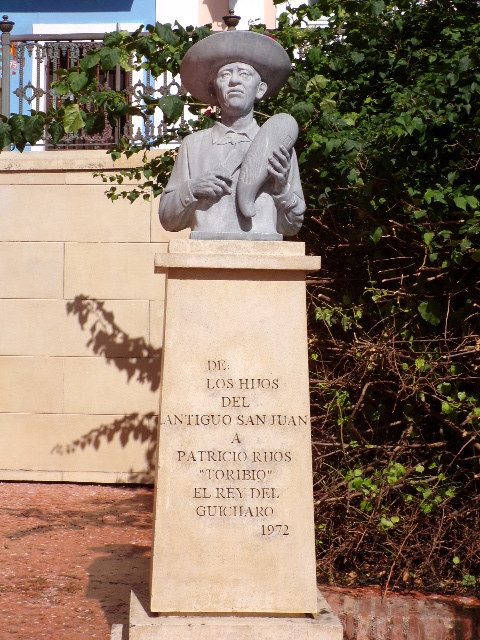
(69, 555)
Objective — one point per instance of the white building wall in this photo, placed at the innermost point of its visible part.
(185, 12)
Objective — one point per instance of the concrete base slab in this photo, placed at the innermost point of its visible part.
(324, 625)
(116, 632)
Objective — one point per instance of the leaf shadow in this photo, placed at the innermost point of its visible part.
(133, 355)
(134, 426)
(139, 360)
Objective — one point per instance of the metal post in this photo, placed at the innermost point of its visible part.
(5, 27)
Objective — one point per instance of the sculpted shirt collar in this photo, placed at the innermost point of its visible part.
(225, 135)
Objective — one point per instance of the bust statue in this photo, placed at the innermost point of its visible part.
(236, 180)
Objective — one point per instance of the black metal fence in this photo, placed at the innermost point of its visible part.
(29, 66)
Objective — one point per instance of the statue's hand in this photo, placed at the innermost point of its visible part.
(279, 169)
(212, 184)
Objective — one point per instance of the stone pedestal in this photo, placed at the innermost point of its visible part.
(233, 551)
(147, 626)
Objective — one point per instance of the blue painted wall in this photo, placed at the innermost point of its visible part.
(25, 13)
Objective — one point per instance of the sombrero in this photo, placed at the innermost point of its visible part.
(203, 60)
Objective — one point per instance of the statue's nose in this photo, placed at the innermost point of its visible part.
(234, 78)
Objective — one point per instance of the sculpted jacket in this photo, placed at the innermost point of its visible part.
(219, 217)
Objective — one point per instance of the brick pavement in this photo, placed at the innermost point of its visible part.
(69, 555)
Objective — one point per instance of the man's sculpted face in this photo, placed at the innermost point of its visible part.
(237, 87)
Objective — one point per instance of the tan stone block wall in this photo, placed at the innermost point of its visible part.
(75, 213)
(30, 269)
(81, 322)
(92, 386)
(77, 448)
(113, 270)
(31, 384)
(36, 327)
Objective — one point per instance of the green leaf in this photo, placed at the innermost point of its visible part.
(17, 125)
(461, 202)
(419, 363)
(172, 107)
(464, 64)
(327, 315)
(475, 255)
(431, 312)
(90, 60)
(146, 47)
(472, 201)
(203, 32)
(469, 581)
(331, 144)
(165, 33)
(447, 408)
(435, 195)
(5, 135)
(34, 129)
(302, 111)
(73, 120)
(444, 388)
(328, 106)
(109, 58)
(366, 506)
(377, 7)
(428, 237)
(56, 131)
(452, 176)
(420, 214)
(356, 483)
(376, 235)
(315, 55)
(77, 81)
(94, 123)
(113, 39)
(61, 88)
(357, 57)
(317, 83)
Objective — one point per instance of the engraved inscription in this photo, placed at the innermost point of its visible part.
(275, 529)
(237, 482)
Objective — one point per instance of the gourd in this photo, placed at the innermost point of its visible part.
(280, 129)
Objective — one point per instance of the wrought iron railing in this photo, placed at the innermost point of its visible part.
(29, 66)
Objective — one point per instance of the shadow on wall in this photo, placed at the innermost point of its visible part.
(213, 11)
(140, 362)
(133, 426)
(132, 355)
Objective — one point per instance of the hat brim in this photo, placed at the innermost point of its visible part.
(202, 61)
